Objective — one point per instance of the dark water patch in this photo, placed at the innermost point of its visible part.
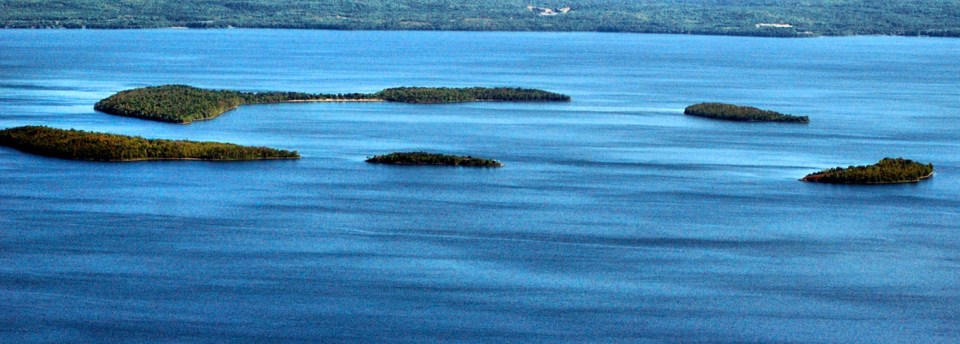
(634, 243)
(41, 87)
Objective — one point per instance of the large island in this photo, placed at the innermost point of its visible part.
(738, 113)
(185, 104)
(423, 158)
(887, 171)
(94, 146)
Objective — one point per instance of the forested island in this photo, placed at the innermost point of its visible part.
(737, 113)
(185, 104)
(711, 17)
(423, 158)
(94, 146)
(887, 171)
(432, 95)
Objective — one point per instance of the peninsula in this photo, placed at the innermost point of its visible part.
(737, 113)
(423, 158)
(94, 146)
(185, 104)
(887, 171)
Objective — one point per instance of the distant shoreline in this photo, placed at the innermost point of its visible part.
(692, 33)
(185, 28)
(795, 19)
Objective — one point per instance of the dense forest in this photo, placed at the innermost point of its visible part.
(456, 95)
(93, 146)
(423, 158)
(185, 104)
(730, 112)
(887, 171)
(721, 17)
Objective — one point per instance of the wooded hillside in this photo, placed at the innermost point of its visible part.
(722, 17)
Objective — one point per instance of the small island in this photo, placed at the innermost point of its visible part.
(887, 171)
(185, 104)
(93, 146)
(423, 158)
(730, 112)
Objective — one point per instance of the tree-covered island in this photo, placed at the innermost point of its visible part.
(433, 95)
(423, 158)
(737, 113)
(94, 146)
(887, 171)
(185, 104)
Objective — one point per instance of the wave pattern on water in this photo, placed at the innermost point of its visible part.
(616, 217)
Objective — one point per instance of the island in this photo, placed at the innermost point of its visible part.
(423, 158)
(730, 112)
(94, 146)
(433, 95)
(887, 171)
(185, 104)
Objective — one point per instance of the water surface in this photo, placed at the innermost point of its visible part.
(616, 218)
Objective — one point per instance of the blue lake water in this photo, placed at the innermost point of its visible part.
(616, 218)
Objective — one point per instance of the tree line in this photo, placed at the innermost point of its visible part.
(714, 17)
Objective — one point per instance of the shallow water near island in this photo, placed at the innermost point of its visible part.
(616, 218)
